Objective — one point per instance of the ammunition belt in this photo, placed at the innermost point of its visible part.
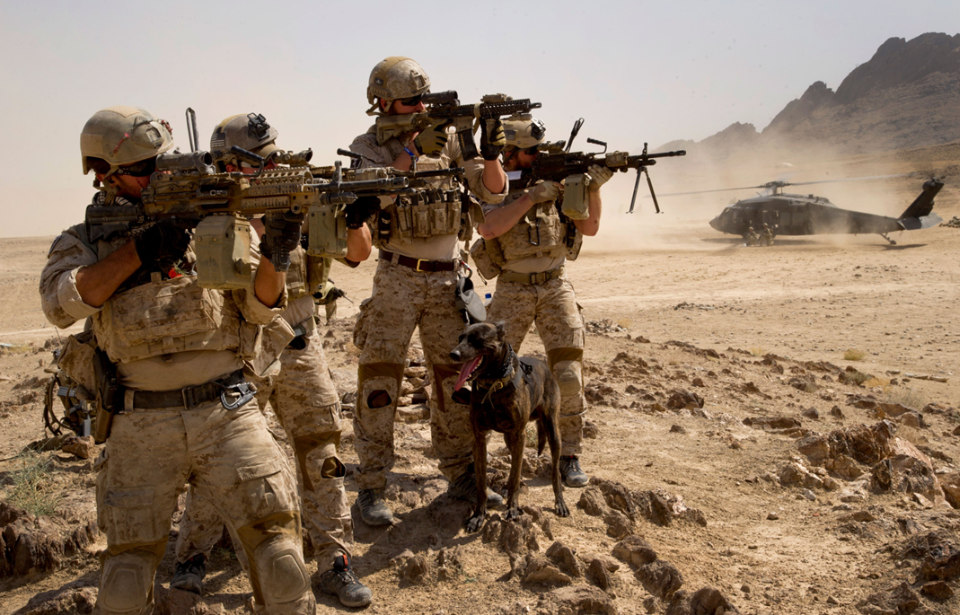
(189, 397)
(417, 264)
(531, 278)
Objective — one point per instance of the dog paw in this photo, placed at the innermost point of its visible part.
(512, 513)
(474, 524)
(562, 510)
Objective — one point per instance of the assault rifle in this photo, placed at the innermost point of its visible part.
(416, 180)
(188, 188)
(446, 106)
(559, 165)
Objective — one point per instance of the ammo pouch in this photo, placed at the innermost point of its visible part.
(76, 359)
(576, 201)
(327, 231)
(469, 302)
(483, 260)
(109, 395)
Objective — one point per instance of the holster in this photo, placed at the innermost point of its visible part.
(109, 395)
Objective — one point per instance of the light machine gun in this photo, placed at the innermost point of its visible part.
(218, 206)
(572, 167)
(446, 106)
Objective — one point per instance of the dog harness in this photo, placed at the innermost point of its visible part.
(506, 383)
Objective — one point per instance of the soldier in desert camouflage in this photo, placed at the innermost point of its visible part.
(181, 408)
(415, 287)
(525, 245)
(304, 399)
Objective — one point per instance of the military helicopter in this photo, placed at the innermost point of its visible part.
(795, 214)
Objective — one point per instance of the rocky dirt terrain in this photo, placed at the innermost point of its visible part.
(771, 430)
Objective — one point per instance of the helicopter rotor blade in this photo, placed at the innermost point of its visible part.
(708, 191)
(849, 179)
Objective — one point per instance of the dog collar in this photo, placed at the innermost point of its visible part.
(496, 385)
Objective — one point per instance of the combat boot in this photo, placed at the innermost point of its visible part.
(570, 470)
(342, 582)
(465, 488)
(188, 576)
(373, 510)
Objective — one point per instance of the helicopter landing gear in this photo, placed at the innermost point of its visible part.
(892, 242)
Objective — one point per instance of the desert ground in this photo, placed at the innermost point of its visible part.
(715, 374)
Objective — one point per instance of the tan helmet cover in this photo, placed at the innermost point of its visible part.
(523, 131)
(123, 135)
(248, 130)
(397, 77)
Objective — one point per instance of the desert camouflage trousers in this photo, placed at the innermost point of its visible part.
(404, 299)
(307, 405)
(228, 457)
(553, 307)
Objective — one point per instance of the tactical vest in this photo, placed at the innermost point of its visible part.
(307, 274)
(166, 317)
(430, 213)
(150, 316)
(539, 232)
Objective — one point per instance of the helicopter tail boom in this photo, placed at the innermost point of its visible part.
(923, 204)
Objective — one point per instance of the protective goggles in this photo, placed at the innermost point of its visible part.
(144, 168)
(413, 101)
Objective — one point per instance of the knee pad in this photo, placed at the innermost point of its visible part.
(569, 375)
(317, 458)
(278, 565)
(378, 392)
(126, 583)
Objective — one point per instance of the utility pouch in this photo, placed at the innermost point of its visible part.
(573, 241)
(109, 395)
(76, 359)
(222, 245)
(469, 302)
(482, 260)
(576, 202)
(327, 228)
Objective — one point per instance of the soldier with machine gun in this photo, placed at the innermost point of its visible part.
(302, 394)
(168, 374)
(417, 274)
(525, 241)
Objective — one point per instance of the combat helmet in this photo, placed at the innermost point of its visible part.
(396, 77)
(123, 135)
(247, 130)
(523, 131)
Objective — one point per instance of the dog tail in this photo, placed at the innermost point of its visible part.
(541, 437)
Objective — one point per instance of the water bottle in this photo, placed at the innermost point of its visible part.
(487, 299)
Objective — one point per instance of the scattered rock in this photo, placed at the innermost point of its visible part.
(938, 590)
(771, 423)
(413, 569)
(866, 445)
(565, 559)
(31, 544)
(68, 599)
(899, 599)
(541, 571)
(773, 516)
(660, 578)
(582, 599)
(677, 429)
(179, 602)
(82, 447)
(811, 413)
(592, 502)
(703, 601)
(680, 400)
(598, 574)
(907, 470)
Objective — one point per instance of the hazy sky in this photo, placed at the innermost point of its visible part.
(637, 71)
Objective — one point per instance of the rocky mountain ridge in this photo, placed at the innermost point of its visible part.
(906, 95)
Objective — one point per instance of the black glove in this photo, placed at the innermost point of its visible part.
(492, 139)
(281, 237)
(164, 243)
(362, 210)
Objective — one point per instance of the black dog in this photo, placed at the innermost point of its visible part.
(507, 393)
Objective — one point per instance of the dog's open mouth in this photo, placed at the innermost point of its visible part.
(467, 370)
